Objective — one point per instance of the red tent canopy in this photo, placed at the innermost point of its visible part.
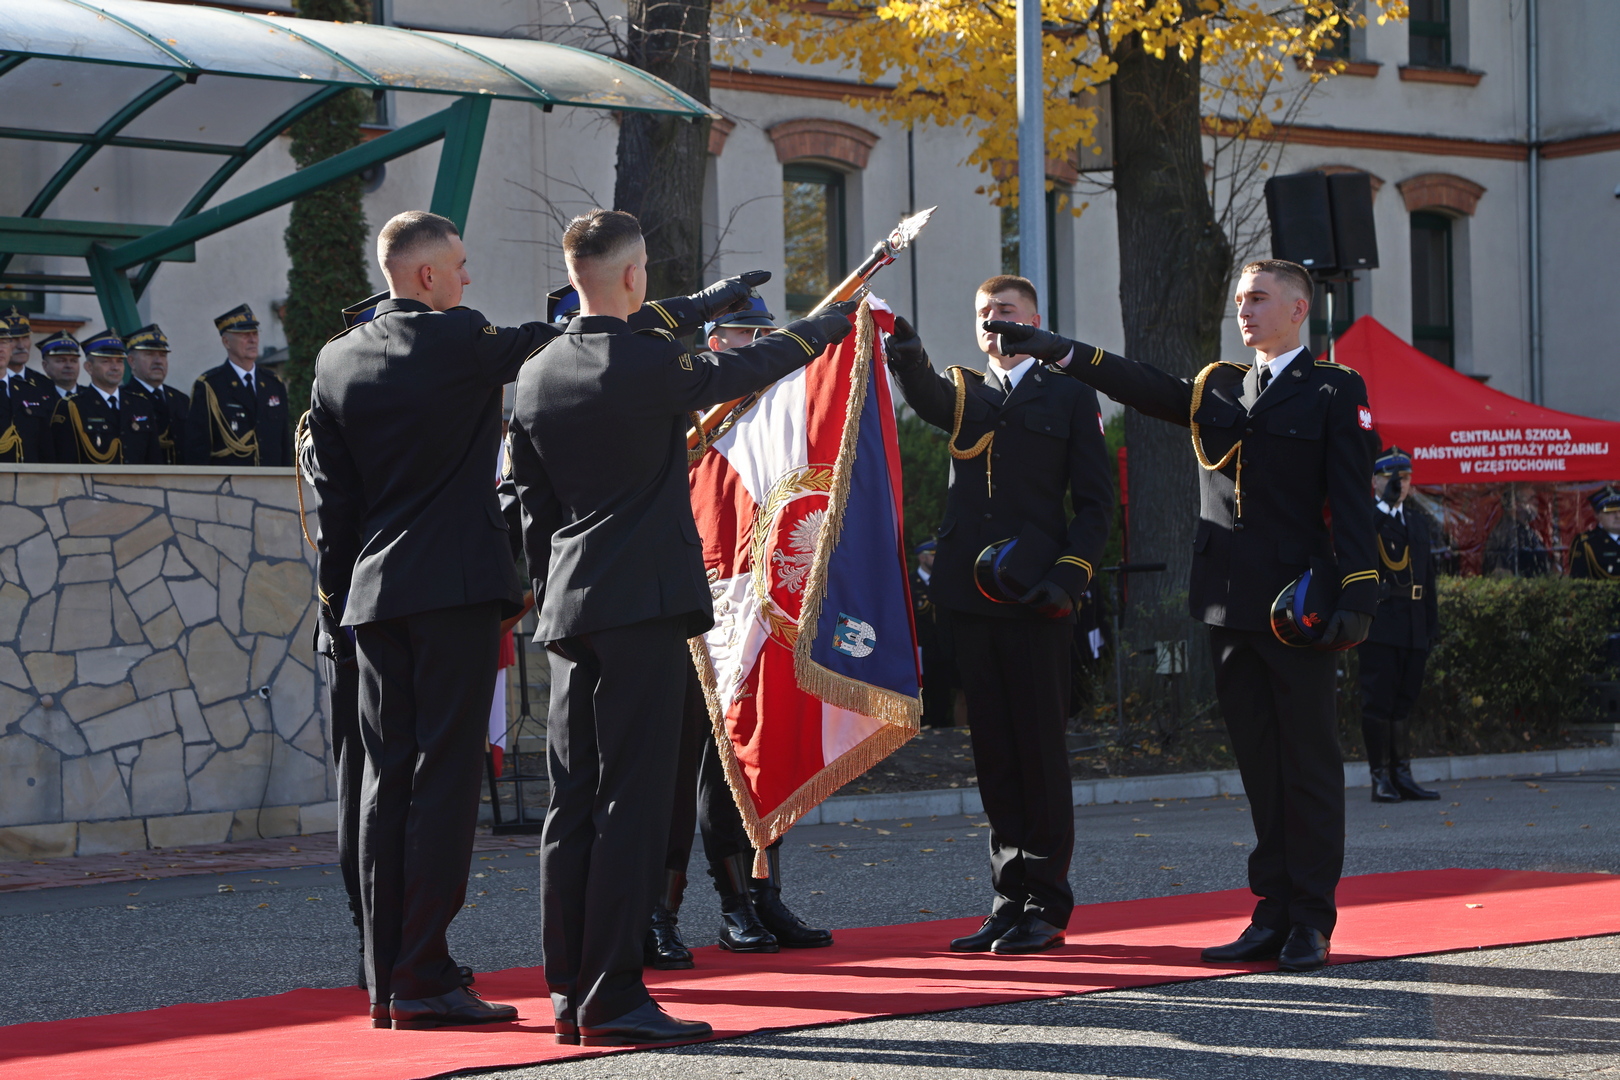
(1459, 431)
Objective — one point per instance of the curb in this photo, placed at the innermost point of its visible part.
(1203, 785)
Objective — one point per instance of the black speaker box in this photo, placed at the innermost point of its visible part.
(1355, 240)
(1301, 220)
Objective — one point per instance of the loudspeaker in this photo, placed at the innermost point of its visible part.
(1354, 238)
(1301, 220)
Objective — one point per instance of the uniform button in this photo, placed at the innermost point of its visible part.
(1237, 526)
(1243, 461)
(1291, 431)
(987, 517)
(1001, 423)
(996, 456)
(1248, 431)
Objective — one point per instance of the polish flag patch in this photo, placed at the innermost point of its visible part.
(1364, 417)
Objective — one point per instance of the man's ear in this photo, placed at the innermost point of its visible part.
(628, 278)
(1036, 321)
(424, 276)
(1302, 309)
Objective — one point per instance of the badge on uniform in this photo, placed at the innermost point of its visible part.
(491, 330)
(1364, 417)
(272, 401)
(686, 361)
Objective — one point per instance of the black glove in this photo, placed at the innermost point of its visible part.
(725, 297)
(904, 348)
(828, 326)
(336, 642)
(1022, 339)
(1050, 599)
(1346, 629)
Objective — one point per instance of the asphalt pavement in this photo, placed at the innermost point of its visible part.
(1533, 1011)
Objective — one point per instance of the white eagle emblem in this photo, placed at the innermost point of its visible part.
(791, 570)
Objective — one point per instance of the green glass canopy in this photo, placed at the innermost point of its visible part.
(199, 91)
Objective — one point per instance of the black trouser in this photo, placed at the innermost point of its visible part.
(613, 738)
(1015, 678)
(938, 687)
(425, 687)
(341, 682)
(1391, 677)
(1278, 703)
(702, 798)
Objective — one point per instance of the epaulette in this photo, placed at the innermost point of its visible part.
(345, 330)
(656, 331)
(1338, 367)
(965, 370)
(1234, 364)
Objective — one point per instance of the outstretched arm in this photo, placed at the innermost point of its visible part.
(698, 380)
(1145, 388)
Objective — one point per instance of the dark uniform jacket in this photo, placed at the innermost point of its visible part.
(225, 425)
(1302, 448)
(85, 430)
(599, 458)
(1595, 554)
(1408, 610)
(405, 421)
(25, 429)
(173, 409)
(1046, 439)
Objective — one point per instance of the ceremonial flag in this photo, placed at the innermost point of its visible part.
(810, 671)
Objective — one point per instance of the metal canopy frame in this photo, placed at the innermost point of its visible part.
(186, 42)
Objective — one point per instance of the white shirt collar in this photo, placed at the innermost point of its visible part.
(1392, 511)
(244, 374)
(925, 575)
(1278, 364)
(108, 398)
(1010, 378)
(61, 392)
(148, 387)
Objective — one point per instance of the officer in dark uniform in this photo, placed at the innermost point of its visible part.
(238, 412)
(1021, 437)
(599, 459)
(1595, 555)
(60, 357)
(753, 918)
(106, 423)
(933, 642)
(1275, 442)
(149, 369)
(1408, 620)
(29, 397)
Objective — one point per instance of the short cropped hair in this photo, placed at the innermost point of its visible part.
(1002, 282)
(405, 233)
(596, 233)
(1291, 274)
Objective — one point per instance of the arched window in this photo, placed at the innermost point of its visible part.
(813, 218)
(1433, 304)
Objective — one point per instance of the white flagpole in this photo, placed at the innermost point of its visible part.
(1031, 151)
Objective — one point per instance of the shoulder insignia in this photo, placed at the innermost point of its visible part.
(491, 330)
(965, 370)
(1235, 364)
(686, 360)
(343, 331)
(657, 332)
(1337, 367)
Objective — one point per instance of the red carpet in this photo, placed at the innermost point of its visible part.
(878, 971)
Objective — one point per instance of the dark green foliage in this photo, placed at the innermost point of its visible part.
(925, 469)
(326, 236)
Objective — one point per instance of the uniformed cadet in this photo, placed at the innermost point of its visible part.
(29, 396)
(106, 423)
(933, 642)
(1021, 438)
(1275, 441)
(1595, 555)
(599, 460)
(59, 356)
(753, 918)
(238, 411)
(1397, 649)
(149, 369)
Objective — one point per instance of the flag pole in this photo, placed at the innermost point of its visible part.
(1031, 150)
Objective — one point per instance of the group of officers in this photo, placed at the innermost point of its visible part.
(127, 414)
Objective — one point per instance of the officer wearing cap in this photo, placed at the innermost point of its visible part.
(933, 641)
(1595, 555)
(753, 918)
(60, 355)
(1397, 648)
(106, 423)
(238, 411)
(149, 369)
(28, 396)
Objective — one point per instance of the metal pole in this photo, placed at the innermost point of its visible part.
(1119, 658)
(1328, 286)
(1533, 137)
(911, 208)
(1031, 150)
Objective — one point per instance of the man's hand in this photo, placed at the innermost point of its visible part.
(904, 349)
(829, 326)
(1050, 599)
(1022, 339)
(725, 297)
(1345, 630)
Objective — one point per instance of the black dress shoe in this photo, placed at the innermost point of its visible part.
(466, 973)
(740, 928)
(1031, 935)
(790, 931)
(1400, 776)
(459, 1007)
(1306, 949)
(1255, 943)
(663, 948)
(1383, 788)
(379, 1017)
(567, 1032)
(646, 1024)
(998, 923)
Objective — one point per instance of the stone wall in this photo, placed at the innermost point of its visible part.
(157, 682)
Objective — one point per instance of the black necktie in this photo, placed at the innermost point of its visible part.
(247, 381)
(997, 385)
(1265, 377)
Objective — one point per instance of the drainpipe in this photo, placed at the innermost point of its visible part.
(1533, 137)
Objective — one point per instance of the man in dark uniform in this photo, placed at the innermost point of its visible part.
(1595, 555)
(933, 642)
(149, 368)
(1021, 438)
(1276, 441)
(753, 918)
(1408, 619)
(599, 458)
(29, 397)
(238, 411)
(105, 423)
(60, 357)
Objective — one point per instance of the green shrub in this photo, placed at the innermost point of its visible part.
(1513, 660)
(925, 469)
